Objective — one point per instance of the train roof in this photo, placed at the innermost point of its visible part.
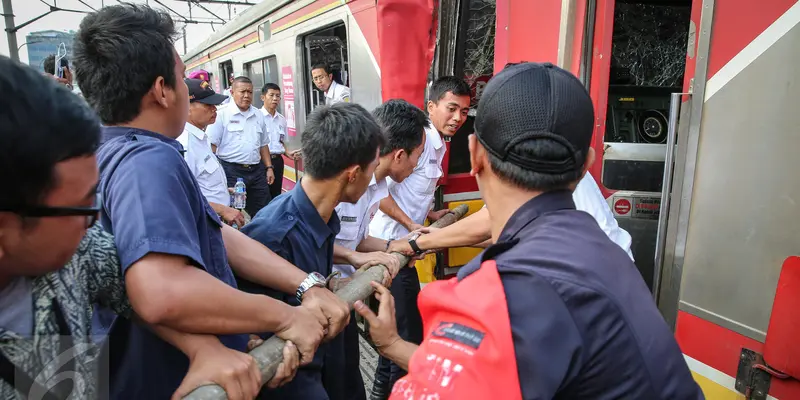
(246, 19)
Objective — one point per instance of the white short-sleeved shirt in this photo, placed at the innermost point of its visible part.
(415, 194)
(239, 135)
(276, 125)
(337, 93)
(204, 165)
(588, 197)
(354, 220)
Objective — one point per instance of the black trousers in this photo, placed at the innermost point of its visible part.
(341, 374)
(405, 289)
(277, 168)
(255, 178)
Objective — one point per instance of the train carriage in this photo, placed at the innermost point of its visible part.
(696, 136)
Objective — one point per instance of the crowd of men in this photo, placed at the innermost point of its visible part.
(117, 246)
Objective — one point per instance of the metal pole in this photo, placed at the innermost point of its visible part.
(270, 353)
(11, 33)
(184, 40)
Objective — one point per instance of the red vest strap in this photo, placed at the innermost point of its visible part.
(468, 350)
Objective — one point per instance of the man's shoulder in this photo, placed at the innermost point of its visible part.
(274, 222)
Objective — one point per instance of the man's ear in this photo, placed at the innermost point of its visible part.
(398, 155)
(352, 173)
(590, 157)
(430, 106)
(159, 92)
(476, 155)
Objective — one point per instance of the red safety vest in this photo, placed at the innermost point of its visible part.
(468, 351)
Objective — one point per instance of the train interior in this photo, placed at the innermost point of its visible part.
(329, 46)
(648, 62)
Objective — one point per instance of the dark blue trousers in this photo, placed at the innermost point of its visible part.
(405, 289)
(255, 178)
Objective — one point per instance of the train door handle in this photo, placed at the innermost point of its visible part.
(666, 189)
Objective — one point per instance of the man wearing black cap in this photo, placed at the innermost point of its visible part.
(198, 155)
(554, 291)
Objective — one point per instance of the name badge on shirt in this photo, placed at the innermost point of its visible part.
(233, 121)
(433, 161)
(349, 219)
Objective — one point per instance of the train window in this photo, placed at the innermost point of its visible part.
(474, 61)
(261, 72)
(225, 72)
(648, 60)
(328, 46)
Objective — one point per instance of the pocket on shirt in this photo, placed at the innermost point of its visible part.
(348, 231)
(210, 166)
(432, 173)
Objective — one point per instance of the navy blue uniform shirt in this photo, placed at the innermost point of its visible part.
(291, 227)
(583, 322)
(152, 204)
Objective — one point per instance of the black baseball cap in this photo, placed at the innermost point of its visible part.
(532, 101)
(201, 92)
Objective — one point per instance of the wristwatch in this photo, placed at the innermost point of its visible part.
(412, 241)
(314, 279)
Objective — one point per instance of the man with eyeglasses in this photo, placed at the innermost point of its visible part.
(323, 79)
(55, 263)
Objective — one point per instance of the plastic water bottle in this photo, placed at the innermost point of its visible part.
(239, 193)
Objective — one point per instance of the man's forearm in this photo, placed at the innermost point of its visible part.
(390, 207)
(188, 343)
(266, 157)
(400, 353)
(341, 254)
(218, 208)
(165, 290)
(467, 232)
(256, 263)
(370, 244)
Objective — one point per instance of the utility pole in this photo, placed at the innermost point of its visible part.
(185, 50)
(11, 32)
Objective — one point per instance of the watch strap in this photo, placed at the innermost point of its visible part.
(414, 246)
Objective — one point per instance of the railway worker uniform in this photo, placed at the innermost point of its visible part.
(354, 221)
(415, 197)
(239, 136)
(337, 93)
(153, 204)
(203, 163)
(554, 309)
(276, 125)
(291, 227)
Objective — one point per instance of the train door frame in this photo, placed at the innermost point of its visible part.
(265, 72)
(304, 59)
(224, 84)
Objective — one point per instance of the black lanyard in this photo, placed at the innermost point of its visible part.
(21, 381)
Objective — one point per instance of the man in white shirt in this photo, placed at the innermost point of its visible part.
(197, 150)
(474, 230)
(323, 79)
(404, 132)
(409, 204)
(276, 125)
(240, 139)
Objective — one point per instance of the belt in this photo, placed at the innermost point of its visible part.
(276, 155)
(247, 166)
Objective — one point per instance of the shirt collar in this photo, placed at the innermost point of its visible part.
(235, 109)
(195, 131)
(268, 115)
(111, 132)
(308, 213)
(435, 137)
(534, 208)
(331, 89)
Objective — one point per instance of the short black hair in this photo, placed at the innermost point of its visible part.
(403, 125)
(446, 84)
(322, 66)
(337, 137)
(50, 64)
(269, 86)
(536, 149)
(31, 146)
(120, 51)
(242, 79)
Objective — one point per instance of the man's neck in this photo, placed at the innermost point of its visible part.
(324, 195)
(150, 123)
(503, 201)
(197, 125)
(383, 168)
(5, 280)
(271, 111)
(244, 110)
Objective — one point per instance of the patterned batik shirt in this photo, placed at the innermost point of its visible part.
(92, 276)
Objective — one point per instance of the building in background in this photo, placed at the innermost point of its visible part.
(44, 43)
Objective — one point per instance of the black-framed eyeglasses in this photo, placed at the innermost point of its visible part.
(91, 213)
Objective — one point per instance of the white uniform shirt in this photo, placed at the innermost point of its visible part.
(337, 93)
(204, 165)
(239, 135)
(588, 198)
(354, 220)
(415, 194)
(276, 125)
